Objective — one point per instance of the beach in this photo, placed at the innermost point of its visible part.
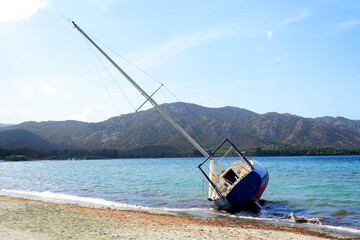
(22, 218)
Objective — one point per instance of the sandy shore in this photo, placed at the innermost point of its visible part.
(32, 219)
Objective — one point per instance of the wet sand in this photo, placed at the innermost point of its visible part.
(33, 219)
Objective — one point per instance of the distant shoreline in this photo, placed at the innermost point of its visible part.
(91, 157)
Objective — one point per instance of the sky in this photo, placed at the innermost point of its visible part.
(297, 57)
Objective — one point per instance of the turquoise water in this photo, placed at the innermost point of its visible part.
(325, 186)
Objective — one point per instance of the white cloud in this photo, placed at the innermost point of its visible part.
(269, 34)
(341, 27)
(168, 50)
(347, 25)
(15, 10)
(8, 113)
(48, 89)
(89, 113)
(302, 13)
(27, 92)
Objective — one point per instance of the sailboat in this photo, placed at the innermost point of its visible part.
(234, 179)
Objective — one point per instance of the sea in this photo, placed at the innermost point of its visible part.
(326, 187)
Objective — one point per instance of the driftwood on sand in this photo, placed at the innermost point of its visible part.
(303, 219)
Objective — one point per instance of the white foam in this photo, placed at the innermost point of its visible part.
(343, 229)
(66, 198)
(255, 218)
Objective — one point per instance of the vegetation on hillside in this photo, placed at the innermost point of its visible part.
(147, 134)
(155, 153)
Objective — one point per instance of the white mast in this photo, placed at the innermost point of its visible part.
(157, 107)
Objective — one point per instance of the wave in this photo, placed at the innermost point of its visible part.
(67, 198)
(343, 229)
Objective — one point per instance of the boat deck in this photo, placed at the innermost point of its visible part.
(229, 178)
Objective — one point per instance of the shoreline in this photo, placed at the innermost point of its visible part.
(36, 219)
(81, 158)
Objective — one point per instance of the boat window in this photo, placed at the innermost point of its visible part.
(230, 176)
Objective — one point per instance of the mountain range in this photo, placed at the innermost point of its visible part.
(147, 131)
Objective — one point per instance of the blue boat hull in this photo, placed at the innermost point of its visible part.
(249, 189)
